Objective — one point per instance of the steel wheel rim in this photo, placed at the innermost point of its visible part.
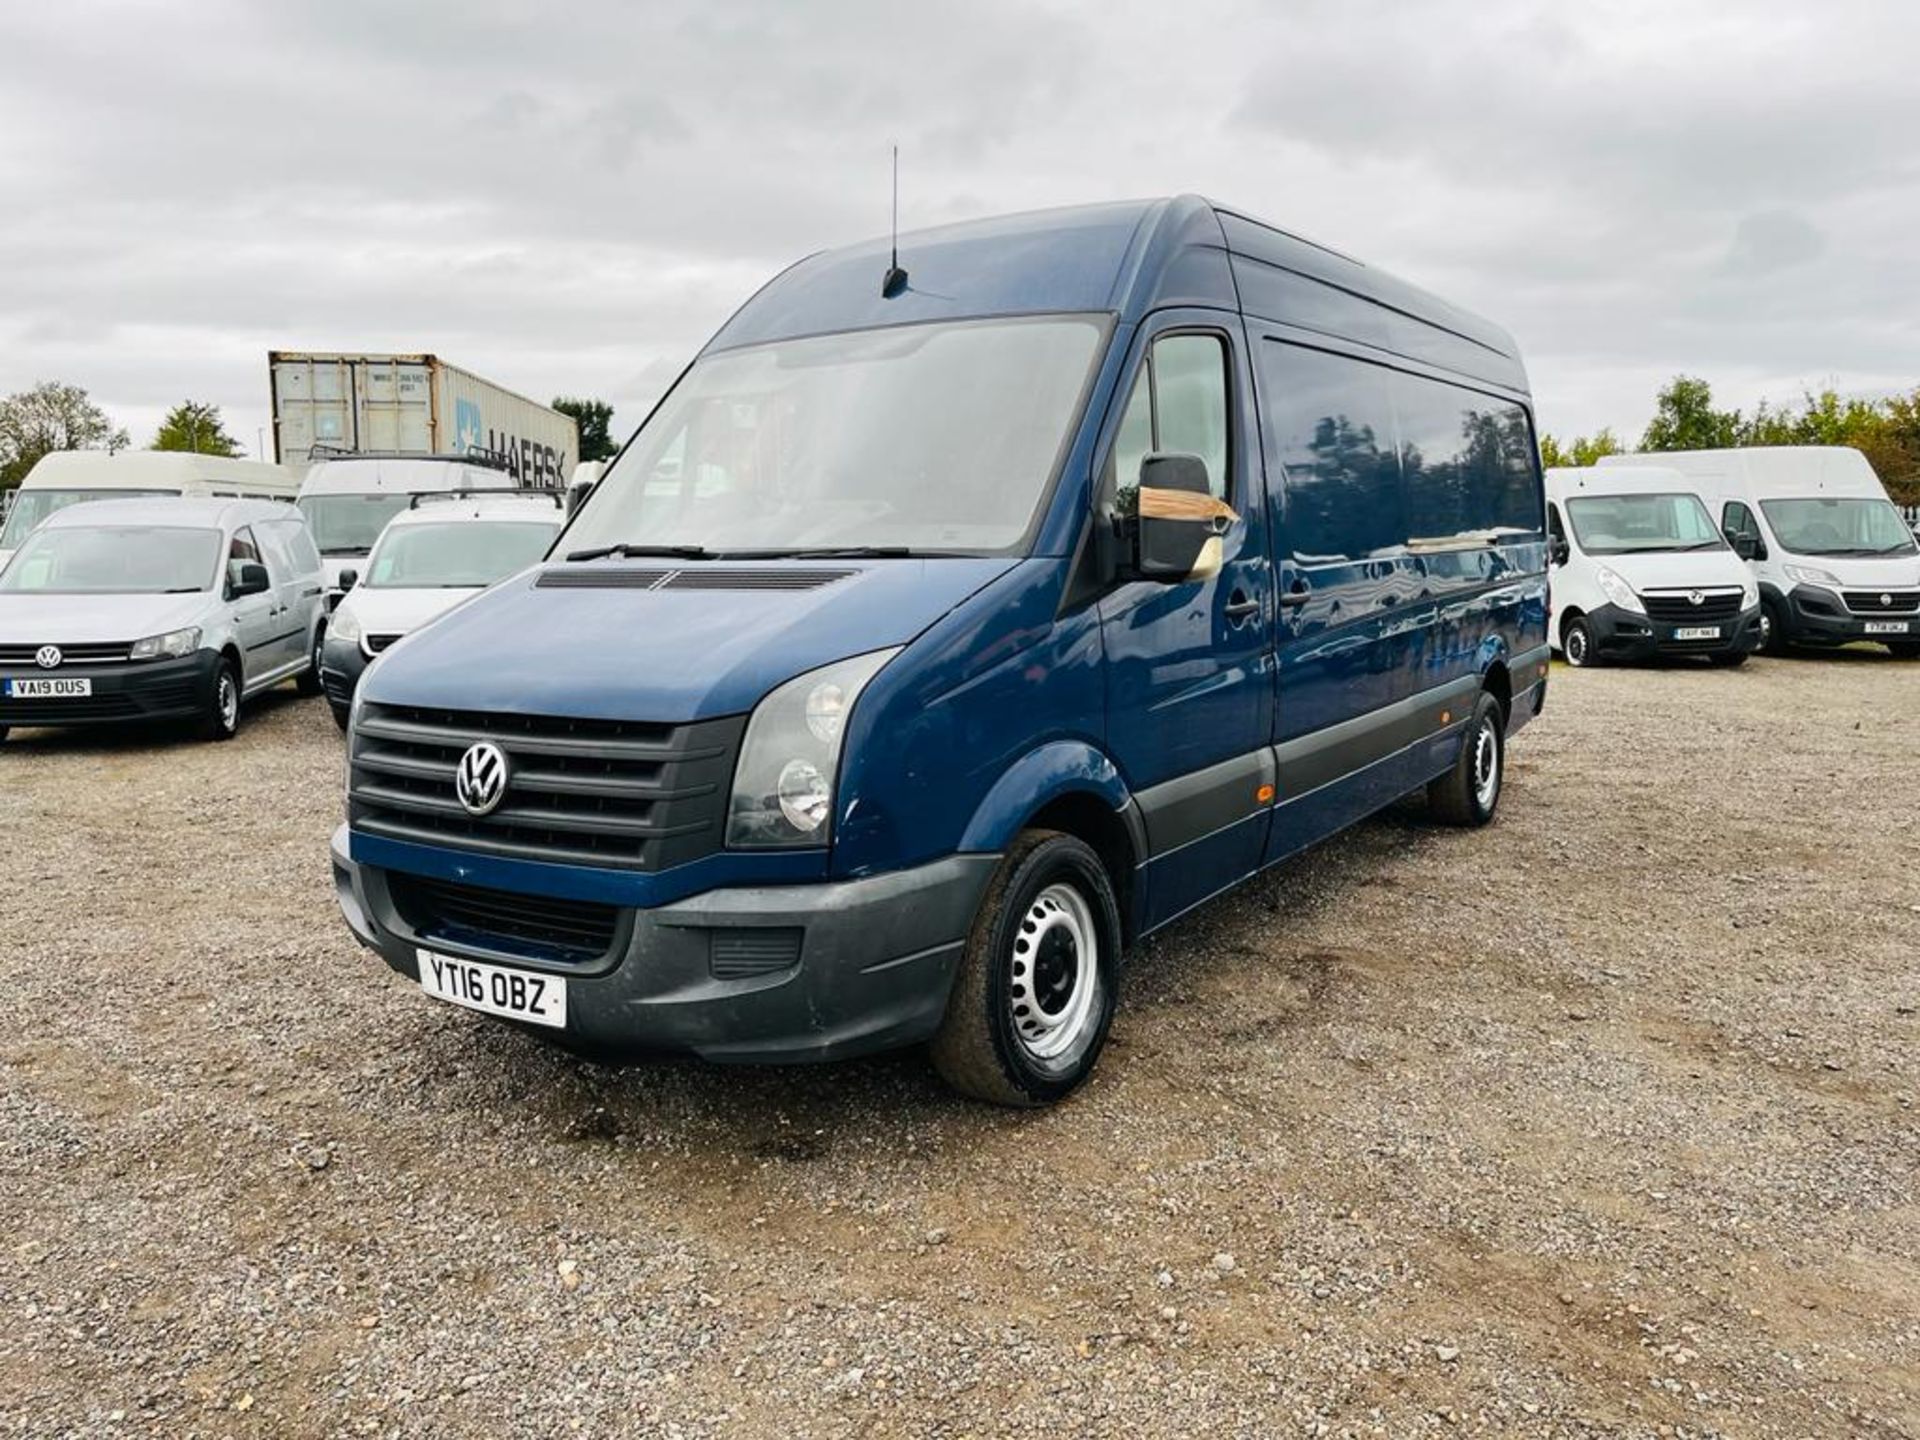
(229, 701)
(1053, 995)
(1576, 646)
(1486, 766)
(1766, 628)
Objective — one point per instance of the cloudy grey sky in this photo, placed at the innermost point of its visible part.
(571, 199)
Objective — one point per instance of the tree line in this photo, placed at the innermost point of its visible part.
(1886, 431)
(51, 416)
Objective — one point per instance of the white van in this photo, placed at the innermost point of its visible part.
(68, 477)
(349, 498)
(158, 609)
(436, 555)
(1833, 558)
(1640, 569)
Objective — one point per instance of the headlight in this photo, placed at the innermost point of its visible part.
(1810, 575)
(1618, 591)
(783, 785)
(345, 625)
(170, 646)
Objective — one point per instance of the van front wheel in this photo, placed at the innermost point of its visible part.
(1468, 793)
(1034, 997)
(1576, 643)
(221, 718)
(309, 681)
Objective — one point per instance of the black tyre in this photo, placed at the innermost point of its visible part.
(221, 719)
(1034, 998)
(1773, 627)
(1576, 643)
(1469, 793)
(1729, 659)
(3, 734)
(1899, 649)
(309, 681)
(341, 713)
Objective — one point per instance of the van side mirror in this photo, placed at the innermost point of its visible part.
(1180, 520)
(348, 579)
(1745, 545)
(1558, 550)
(577, 494)
(247, 577)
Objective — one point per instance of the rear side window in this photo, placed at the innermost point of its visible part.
(1466, 462)
(1329, 426)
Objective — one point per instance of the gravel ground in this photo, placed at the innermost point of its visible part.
(1600, 1121)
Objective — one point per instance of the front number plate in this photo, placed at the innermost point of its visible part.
(1697, 632)
(54, 689)
(516, 994)
(1886, 627)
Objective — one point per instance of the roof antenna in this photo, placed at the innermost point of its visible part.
(896, 280)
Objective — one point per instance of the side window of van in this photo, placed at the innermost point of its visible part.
(1178, 405)
(245, 549)
(1466, 462)
(1555, 530)
(289, 546)
(1736, 519)
(1329, 425)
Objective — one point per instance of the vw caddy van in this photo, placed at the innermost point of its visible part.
(158, 609)
(1833, 559)
(950, 625)
(1641, 570)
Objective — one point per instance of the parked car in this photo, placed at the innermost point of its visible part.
(950, 627)
(349, 498)
(430, 558)
(1832, 557)
(71, 477)
(156, 609)
(1640, 569)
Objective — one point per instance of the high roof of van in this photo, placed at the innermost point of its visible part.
(212, 513)
(534, 508)
(402, 474)
(150, 470)
(1126, 258)
(1777, 471)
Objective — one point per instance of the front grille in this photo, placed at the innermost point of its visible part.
(575, 931)
(609, 793)
(374, 644)
(65, 712)
(1881, 602)
(1715, 607)
(69, 654)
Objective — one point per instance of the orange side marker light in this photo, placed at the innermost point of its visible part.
(1264, 794)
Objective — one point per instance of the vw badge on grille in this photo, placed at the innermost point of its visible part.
(1886, 601)
(480, 782)
(48, 657)
(1694, 597)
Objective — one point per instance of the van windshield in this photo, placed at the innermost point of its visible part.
(1838, 527)
(936, 438)
(457, 556)
(1630, 524)
(30, 507)
(114, 560)
(349, 524)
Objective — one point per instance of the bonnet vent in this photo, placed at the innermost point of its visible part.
(598, 577)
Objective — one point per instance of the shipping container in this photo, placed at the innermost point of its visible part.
(415, 405)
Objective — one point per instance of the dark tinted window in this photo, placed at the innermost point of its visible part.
(1466, 462)
(1329, 425)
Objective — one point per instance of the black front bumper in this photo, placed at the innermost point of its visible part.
(137, 691)
(1623, 635)
(342, 663)
(1816, 616)
(770, 974)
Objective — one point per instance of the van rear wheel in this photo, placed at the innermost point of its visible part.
(1034, 996)
(1468, 793)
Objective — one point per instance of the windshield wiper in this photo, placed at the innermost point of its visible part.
(1700, 545)
(832, 552)
(623, 551)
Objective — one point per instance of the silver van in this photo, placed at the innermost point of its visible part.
(153, 609)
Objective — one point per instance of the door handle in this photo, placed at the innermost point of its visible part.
(1239, 607)
(1293, 598)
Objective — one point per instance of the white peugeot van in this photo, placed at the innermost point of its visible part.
(444, 550)
(1640, 570)
(348, 498)
(1833, 558)
(71, 477)
(155, 609)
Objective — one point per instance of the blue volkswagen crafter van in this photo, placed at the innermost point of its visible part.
(949, 627)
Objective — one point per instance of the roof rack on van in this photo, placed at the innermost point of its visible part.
(473, 455)
(417, 500)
